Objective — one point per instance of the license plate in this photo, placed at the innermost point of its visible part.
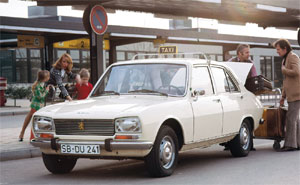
(79, 149)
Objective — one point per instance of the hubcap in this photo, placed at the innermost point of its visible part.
(244, 138)
(166, 153)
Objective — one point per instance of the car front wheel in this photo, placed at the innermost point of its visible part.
(57, 164)
(162, 159)
(242, 143)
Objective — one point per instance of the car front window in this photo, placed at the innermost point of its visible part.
(201, 80)
(168, 79)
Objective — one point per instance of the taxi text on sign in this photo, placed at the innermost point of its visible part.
(168, 49)
(79, 44)
(98, 19)
(28, 41)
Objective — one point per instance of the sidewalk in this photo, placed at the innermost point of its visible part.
(22, 107)
(10, 147)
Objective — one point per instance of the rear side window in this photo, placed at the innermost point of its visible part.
(231, 84)
(201, 80)
(220, 80)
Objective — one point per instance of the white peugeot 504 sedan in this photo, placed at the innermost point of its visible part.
(150, 109)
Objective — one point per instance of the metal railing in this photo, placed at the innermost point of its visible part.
(273, 97)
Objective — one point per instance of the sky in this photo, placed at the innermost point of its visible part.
(17, 8)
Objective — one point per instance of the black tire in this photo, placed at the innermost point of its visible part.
(161, 163)
(241, 144)
(57, 164)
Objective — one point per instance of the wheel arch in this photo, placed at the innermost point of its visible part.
(175, 125)
(251, 121)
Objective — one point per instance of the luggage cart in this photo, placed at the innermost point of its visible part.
(273, 126)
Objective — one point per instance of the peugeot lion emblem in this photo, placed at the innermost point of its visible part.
(81, 125)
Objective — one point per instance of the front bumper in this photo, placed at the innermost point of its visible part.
(109, 147)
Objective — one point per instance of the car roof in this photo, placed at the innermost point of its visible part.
(186, 61)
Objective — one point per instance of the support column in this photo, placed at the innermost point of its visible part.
(29, 80)
(43, 58)
(47, 54)
(226, 49)
(48, 58)
(112, 53)
(97, 63)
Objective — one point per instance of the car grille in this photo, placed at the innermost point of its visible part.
(84, 127)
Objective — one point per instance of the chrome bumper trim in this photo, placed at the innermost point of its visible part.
(114, 145)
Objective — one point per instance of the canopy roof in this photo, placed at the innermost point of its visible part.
(266, 13)
(57, 31)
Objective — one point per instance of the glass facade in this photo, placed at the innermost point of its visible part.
(8, 65)
(20, 65)
(35, 63)
(278, 78)
(266, 67)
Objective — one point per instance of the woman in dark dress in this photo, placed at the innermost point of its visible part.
(60, 69)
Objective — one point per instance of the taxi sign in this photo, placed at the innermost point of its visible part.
(167, 49)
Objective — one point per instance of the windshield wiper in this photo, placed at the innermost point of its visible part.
(110, 92)
(148, 91)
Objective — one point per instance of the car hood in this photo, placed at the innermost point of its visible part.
(105, 107)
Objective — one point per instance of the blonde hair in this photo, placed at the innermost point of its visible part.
(84, 73)
(41, 75)
(58, 63)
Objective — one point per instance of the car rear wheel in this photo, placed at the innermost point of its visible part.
(162, 159)
(242, 143)
(57, 164)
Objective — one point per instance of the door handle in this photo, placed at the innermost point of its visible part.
(241, 96)
(217, 100)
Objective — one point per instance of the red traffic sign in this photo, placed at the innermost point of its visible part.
(98, 19)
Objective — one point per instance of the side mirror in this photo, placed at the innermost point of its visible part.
(202, 92)
(198, 92)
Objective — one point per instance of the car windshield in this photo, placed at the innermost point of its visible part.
(156, 79)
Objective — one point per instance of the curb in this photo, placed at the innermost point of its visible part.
(14, 113)
(20, 154)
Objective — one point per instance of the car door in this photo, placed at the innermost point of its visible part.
(207, 108)
(230, 97)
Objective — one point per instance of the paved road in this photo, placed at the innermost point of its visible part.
(199, 166)
(12, 121)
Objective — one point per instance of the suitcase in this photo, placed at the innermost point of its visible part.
(273, 126)
(258, 84)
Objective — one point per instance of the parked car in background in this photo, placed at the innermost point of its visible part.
(150, 109)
